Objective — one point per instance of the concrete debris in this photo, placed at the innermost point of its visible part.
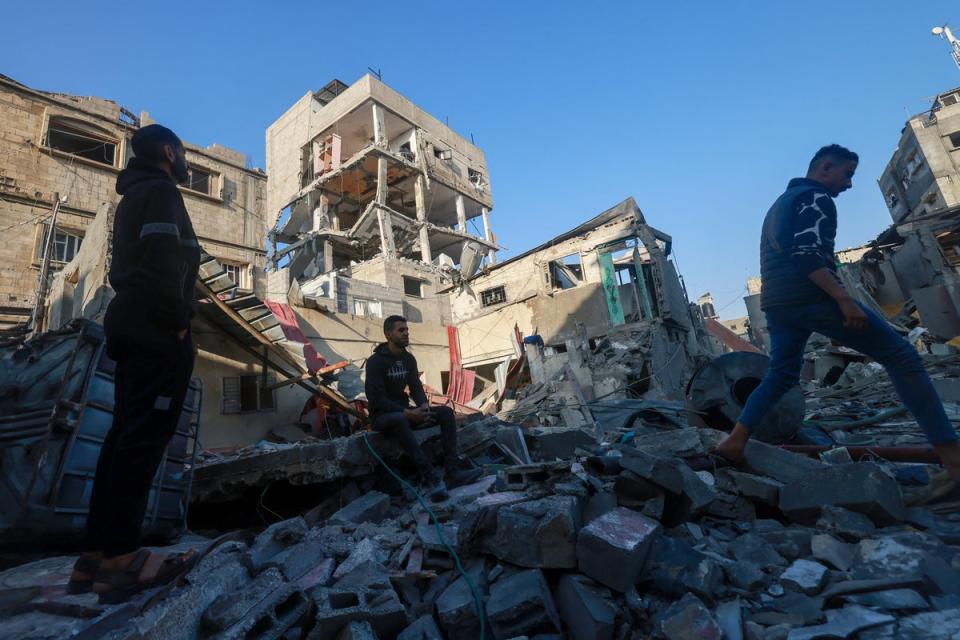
(521, 604)
(806, 576)
(630, 530)
(613, 548)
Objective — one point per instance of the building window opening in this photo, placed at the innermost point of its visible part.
(476, 178)
(237, 273)
(442, 154)
(367, 308)
(412, 287)
(78, 141)
(955, 140)
(492, 297)
(246, 394)
(198, 180)
(567, 272)
(65, 245)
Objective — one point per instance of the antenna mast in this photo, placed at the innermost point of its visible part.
(945, 33)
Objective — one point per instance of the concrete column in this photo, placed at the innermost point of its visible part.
(383, 215)
(334, 218)
(321, 217)
(419, 193)
(486, 224)
(382, 186)
(379, 128)
(386, 233)
(461, 214)
(327, 256)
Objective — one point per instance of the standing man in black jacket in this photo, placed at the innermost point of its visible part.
(153, 270)
(801, 294)
(391, 370)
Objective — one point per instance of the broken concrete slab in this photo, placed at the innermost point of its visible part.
(689, 619)
(842, 623)
(751, 486)
(586, 607)
(900, 555)
(890, 600)
(538, 533)
(296, 561)
(849, 525)
(613, 548)
(805, 576)
(521, 604)
(365, 552)
(791, 543)
(753, 549)
(834, 552)
(373, 506)
(456, 606)
(729, 617)
(521, 477)
(273, 540)
(862, 487)
(777, 463)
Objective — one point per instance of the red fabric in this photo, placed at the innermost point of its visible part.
(291, 329)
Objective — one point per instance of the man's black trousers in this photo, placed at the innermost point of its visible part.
(150, 390)
(398, 425)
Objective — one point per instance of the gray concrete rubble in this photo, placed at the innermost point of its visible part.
(625, 528)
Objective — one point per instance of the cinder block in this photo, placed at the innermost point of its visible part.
(373, 506)
(337, 607)
(266, 608)
(613, 548)
(862, 487)
(521, 605)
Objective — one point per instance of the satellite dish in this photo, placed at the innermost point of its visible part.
(937, 31)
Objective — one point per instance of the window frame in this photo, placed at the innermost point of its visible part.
(212, 179)
(503, 293)
(43, 230)
(81, 129)
(226, 399)
(420, 282)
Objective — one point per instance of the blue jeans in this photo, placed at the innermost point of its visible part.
(791, 326)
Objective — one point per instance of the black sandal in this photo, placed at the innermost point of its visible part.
(125, 583)
(87, 563)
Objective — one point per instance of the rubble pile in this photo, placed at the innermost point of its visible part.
(639, 534)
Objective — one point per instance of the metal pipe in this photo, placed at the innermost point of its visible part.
(893, 454)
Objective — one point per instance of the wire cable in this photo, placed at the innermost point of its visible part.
(477, 601)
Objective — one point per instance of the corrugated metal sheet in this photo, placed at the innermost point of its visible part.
(56, 407)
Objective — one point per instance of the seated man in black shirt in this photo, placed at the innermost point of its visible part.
(391, 370)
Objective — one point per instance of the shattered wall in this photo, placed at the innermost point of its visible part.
(559, 290)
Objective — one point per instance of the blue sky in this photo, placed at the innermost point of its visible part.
(700, 110)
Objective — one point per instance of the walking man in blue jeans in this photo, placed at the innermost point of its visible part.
(801, 294)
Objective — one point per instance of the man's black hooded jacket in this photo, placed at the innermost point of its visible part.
(388, 377)
(155, 260)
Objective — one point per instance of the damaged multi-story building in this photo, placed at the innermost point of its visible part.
(72, 147)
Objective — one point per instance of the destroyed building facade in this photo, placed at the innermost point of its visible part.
(74, 146)
(923, 176)
(374, 202)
